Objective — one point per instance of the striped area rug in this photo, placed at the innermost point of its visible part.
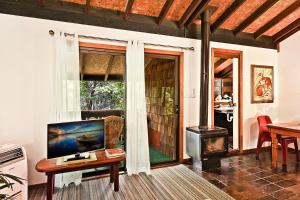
(176, 182)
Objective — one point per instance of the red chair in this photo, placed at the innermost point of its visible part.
(265, 135)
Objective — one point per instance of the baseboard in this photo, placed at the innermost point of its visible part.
(247, 151)
(250, 151)
(167, 164)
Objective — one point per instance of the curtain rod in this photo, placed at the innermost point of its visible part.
(51, 32)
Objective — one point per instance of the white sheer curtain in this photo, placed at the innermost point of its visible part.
(137, 147)
(67, 82)
(67, 91)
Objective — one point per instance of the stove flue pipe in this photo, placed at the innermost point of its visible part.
(204, 73)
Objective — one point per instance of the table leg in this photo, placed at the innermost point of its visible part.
(116, 176)
(50, 185)
(274, 150)
(111, 172)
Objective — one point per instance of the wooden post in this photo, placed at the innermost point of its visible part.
(204, 74)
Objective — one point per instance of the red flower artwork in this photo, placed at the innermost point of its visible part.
(262, 84)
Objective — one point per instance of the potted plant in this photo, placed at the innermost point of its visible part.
(6, 182)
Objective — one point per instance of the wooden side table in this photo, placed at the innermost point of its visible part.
(50, 168)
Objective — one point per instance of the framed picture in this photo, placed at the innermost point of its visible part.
(262, 84)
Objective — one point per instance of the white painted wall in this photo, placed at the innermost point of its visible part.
(26, 83)
(289, 62)
(289, 96)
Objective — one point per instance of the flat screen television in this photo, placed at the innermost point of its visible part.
(75, 137)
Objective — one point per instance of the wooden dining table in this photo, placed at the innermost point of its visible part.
(291, 129)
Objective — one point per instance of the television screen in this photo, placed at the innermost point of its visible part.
(75, 137)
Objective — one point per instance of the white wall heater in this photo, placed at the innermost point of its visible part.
(13, 161)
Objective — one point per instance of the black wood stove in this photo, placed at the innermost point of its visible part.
(206, 145)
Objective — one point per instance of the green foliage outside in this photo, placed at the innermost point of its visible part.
(99, 95)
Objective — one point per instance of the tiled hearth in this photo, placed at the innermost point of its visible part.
(243, 177)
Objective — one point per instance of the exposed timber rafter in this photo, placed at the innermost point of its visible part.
(219, 61)
(186, 15)
(199, 10)
(222, 66)
(87, 6)
(128, 9)
(164, 12)
(148, 62)
(287, 30)
(256, 14)
(82, 65)
(288, 34)
(75, 13)
(226, 72)
(109, 67)
(41, 3)
(277, 19)
(232, 8)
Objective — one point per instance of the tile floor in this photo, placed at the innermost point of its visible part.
(245, 178)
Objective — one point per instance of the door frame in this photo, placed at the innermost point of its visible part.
(226, 53)
(122, 49)
(181, 98)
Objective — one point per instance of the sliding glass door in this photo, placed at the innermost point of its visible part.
(102, 92)
(162, 90)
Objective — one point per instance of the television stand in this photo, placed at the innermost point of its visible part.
(50, 168)
(78, 156)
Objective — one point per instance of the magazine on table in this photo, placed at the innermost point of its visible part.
(111, 153)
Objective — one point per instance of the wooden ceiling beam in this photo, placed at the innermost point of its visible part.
(41, 3)
(288, 35)
(87, 6)
(99, 17)
(286, 30)
(223, 66)
(256, 14)
(232, 8)
(199, 10)
(224, 73)
(228, 72)
(109, 67)
(128, 9)
(148, 61)
(164, 12)
(277, 19)
(219, 62)
(82, 59)
(186, 15)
